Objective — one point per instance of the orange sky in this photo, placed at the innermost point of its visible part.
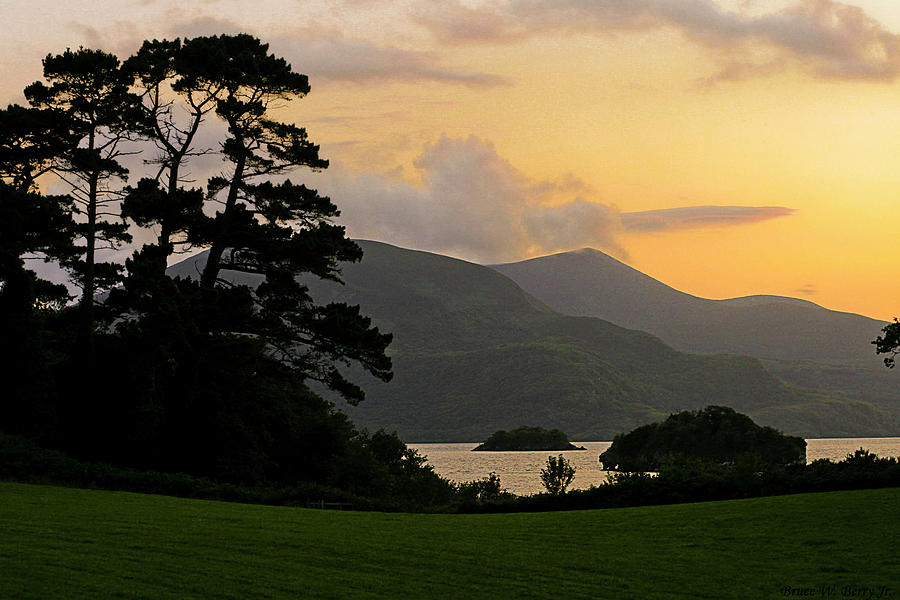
(495, 132)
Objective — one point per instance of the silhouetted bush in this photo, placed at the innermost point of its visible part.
(486, 489)
(557, 475)
(700, 481)
(22, 460)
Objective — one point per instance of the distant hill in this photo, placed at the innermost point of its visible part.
(592, 284)
(801, 343)
(474, 353)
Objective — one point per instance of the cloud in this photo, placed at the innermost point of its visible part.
(330, 55)
(121, 37)
(691, 217)
(807, 289)
(831, 38)
(473, 205)
(740, 71)
(323, 54)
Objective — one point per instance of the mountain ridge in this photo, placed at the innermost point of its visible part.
(751, 297)
(588, 282)
(474, 353)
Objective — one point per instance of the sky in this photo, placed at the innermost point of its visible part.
(724, 147)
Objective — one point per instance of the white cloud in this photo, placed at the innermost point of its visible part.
(475, 205)
(472, 204)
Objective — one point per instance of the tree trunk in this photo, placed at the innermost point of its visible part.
(214, 259)
(165, 228)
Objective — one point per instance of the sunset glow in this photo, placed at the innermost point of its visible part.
(497, 132)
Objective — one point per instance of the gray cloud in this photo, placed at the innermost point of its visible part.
(338, 58)
(473, 205)
(329, 55)
(807, 289)
(831, 38)
(122, 38)
(323, 54)
(691, 217)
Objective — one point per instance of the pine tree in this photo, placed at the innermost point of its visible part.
(32, 225)
(175, 102)
(88, 88)
(278, 230)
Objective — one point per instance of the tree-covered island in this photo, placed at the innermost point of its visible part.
(716, 434)
(527, 438)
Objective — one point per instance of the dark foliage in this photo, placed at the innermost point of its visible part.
(22, 460)
(486, 489)
(557, 475)
(715, 434)
(169, 375)
(701, 481)
(89, 97)
(889, 343)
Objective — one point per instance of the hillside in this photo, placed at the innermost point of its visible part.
(801, 343)
(592, 284)
(474, 353)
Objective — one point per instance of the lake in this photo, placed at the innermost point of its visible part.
(520, 471)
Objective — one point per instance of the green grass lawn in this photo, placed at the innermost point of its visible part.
(71, 543)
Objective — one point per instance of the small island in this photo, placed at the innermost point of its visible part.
(527, 438)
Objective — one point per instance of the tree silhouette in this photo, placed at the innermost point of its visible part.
(204, 376)
(32, 227)
(89, 89)
(557, 475)
(889, 342)
(276, 230)
(175, 98)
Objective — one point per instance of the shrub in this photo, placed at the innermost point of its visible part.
(557, 475)
(486, 489)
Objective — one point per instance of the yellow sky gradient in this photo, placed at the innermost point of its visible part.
(629, 113)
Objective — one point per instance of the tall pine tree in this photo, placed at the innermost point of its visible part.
(279, 230)
(93, 93)
(175, 103)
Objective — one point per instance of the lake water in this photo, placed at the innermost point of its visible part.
(520, 471)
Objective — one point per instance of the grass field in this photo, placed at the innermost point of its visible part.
(71, 543)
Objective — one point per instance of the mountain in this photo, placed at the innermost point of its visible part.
(592, 284)
(801, 343)
(474, 353)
